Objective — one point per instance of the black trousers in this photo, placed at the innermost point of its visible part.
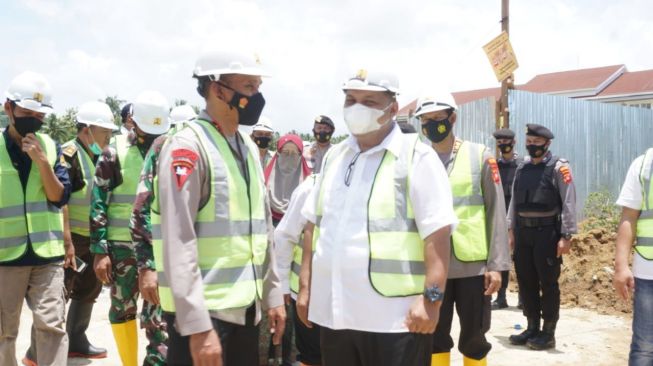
(505, 277)
(307, 340)
(356, 348)
(239, 342)
(474, 311)
(538, 270)
(84, 286)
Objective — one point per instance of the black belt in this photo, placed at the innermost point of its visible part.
(537, 221)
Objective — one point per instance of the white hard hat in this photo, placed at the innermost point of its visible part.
(31, 91)
(264, 124)
(151, 113)
(96, 114)
(216, 62)
(373, 81)
(435, 103)
(182, 113)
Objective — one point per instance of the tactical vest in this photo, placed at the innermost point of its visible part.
(534, 189)
(469, 240)
(78, 205)
(231, 228)
(507, 171)
(396, 266)
(26, 212)
(123, 196)
(298, 251)
(644, 245)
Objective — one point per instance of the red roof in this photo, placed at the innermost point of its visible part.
(630, 83)
(574, 80)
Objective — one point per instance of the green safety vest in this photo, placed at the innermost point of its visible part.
(396, 266)
(297, 257)
(644, 245)
(123, 196)
(78, 214)
(231, 228)
(27, 212)
(469, 240)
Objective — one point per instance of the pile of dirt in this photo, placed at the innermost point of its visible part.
(587, 271)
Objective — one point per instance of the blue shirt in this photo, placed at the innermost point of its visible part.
(23, 165)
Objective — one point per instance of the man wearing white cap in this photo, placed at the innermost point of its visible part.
(212, 226)
(35, 185)
(381, 213)
(181, 114)
(262, 136)
(116, 178)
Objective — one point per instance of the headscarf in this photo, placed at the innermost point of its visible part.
(282, 175)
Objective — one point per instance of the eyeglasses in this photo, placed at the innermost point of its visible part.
(350, 168)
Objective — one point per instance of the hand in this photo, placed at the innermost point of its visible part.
(277, 323)
(303, 298)
(623, 282)
(32, 147)
(69, 259)
(102, 267)
(511, 240)
(423, 316)
(148, 285)
(492, 282)
(563, 246)
(286, 299)
(205, 349)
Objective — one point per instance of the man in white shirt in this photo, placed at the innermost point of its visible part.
(637, 224)
(382, 215)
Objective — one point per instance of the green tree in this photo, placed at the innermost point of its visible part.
(62, 128)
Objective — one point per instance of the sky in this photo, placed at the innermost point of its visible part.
(92, 49)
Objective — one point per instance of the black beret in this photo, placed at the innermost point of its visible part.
(533, 129)
(504, 133)
(325, 120)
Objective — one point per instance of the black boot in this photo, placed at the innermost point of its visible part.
(500, 303)
(79, 315)
(546, 339)
(532, 331)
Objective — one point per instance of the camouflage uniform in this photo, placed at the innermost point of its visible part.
(124, 289)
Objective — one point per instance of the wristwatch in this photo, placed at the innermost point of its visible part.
(433, 294)
(566, 236)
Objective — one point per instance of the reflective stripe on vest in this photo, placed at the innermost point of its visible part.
(644, 245)
(123, 196)
(231, 228)
(298, 251)
(28, 213)
(78, 205)
(469, 241)
(396, 250)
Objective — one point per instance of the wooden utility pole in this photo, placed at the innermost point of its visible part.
(508, 83)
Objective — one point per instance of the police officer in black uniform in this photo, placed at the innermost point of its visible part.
(508, 162)
(542, 219)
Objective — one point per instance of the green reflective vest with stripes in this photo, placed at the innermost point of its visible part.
(644, 245)
(298, 251)
(469, 240)
(231, 228)
(123, 196)
(396, 266)
(78, 214)
(27, 212)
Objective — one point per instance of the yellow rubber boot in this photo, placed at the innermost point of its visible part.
(126, 337)
(472, 362)
(441, 359)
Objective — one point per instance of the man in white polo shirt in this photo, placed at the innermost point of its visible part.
(636, 200)
(382, 214)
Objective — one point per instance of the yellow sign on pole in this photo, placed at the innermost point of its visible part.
(501, 56)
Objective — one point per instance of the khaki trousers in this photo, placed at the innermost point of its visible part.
(43, 289)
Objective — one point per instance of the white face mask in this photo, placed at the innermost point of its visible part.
(361, 119)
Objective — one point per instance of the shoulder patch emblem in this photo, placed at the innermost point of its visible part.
(183, 164)
(496, 177)
(566, 174)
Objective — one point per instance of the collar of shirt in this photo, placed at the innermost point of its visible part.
(514, 157)
(547, 157)
(392, 143)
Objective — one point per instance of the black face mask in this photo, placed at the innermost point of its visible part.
(262, 141)
(505, 148)
(25, 125)
(435, 130)
(536, 151)
(249, 108)
(322, 136)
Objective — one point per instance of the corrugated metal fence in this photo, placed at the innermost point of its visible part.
(600, 140)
